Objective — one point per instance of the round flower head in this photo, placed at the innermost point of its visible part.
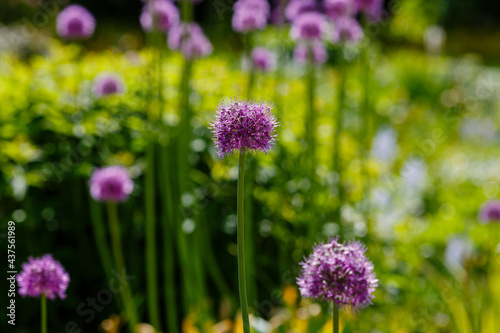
(297, 7)
(243, 125)
(75, 22)
(166, 15)
(490, 212)
(108, 84)
(250, 15)
(43, 276)
(309, 26)
(190, 40)
(263, 59)
(372, 8)
(340, 273)
(302, 53)
(111, 184)
(336, 9)
(347, 30)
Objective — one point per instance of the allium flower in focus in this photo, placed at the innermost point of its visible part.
(309, 26)
(166, 15)
(108, 84)
(297, 7)
(250, 15)
(347, 30)
(263, 59)
(490, 212)
(43, 276)
(190, 40)
(340, 273)
(111, 184)
(75, 22)
(244, 125)
(302, 53)
(336, 9)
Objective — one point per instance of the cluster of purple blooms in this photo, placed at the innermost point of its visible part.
(244, 126)
(75, 22)
(107, 84)
(111, 183)
(339, 273)
(188, 38)
(43, 276)
(490, 212)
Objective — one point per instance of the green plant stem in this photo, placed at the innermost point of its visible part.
(335, 319)
(43, 301)
(310, 157)
(114, 227)
(150, 234)
(337, 164)
(241, 244)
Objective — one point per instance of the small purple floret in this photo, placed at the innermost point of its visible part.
(43, 276)
(309, 26)
(75, 22)
(347, 30)
(190, 40)
(166, 15)
(297, 7)
(490, 212)
(243, 125)
(108, 84)
(111, 184)
(250, 15)
(336, 9)
(263, 59)
(340, 273)
(302, 53)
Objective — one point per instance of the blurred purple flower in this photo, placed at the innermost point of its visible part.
(108, 84)
(347, 30)
(166, 15)
(309, 26)
(302, 54)
(263, 59)
(75, 22)
(250, 15)
(244, 125)
(372, 8)
(43, 276)
(297, 7)
(190, 40)
(340, 273)
(336, 9)
(490, 212)
(111, 184)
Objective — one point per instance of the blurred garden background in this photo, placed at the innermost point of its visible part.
(392, 139)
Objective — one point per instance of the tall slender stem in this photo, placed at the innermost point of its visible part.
(116, 246)
(241, 244)
(43, 300)
(337, 164)
(335, 319)
(310, 156)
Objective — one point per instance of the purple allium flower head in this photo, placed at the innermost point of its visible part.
(43, 276)
(111, 184)
(490, 212)
(250, 15)
(347, 30)
(340, 273)
(244, 125)
(75, 22)
(309, 26)
(302, 54)
(108, 84)
(336, 9)
(372, 8)
(190, 40)
(263, 59)
(297, 7)
(166, 15)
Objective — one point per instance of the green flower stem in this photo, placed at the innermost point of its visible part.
(43, 300)
(335, 319)
(337, 165)
(366, 132)
(168, 220)
(116, 246)
(241, 244)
